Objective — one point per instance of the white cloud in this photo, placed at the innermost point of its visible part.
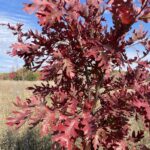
(7, 38)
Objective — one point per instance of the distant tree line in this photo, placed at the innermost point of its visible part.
(21, 74)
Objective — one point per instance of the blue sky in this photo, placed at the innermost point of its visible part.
(11, 12)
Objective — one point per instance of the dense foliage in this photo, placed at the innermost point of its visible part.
(89, 107)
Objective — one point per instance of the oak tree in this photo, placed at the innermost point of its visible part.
(97, 87)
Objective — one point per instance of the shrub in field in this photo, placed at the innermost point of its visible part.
(28, 141)
(25, 74)
(12, 75)
(4, 76)
(90, 106)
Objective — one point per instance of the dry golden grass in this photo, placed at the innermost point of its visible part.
(21, 139)
(9, 90)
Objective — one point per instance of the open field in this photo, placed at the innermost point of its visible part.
(24, 139)
(9, 90)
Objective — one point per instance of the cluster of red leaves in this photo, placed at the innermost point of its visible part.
(89, 105)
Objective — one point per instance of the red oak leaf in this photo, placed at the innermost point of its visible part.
(69, 67)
